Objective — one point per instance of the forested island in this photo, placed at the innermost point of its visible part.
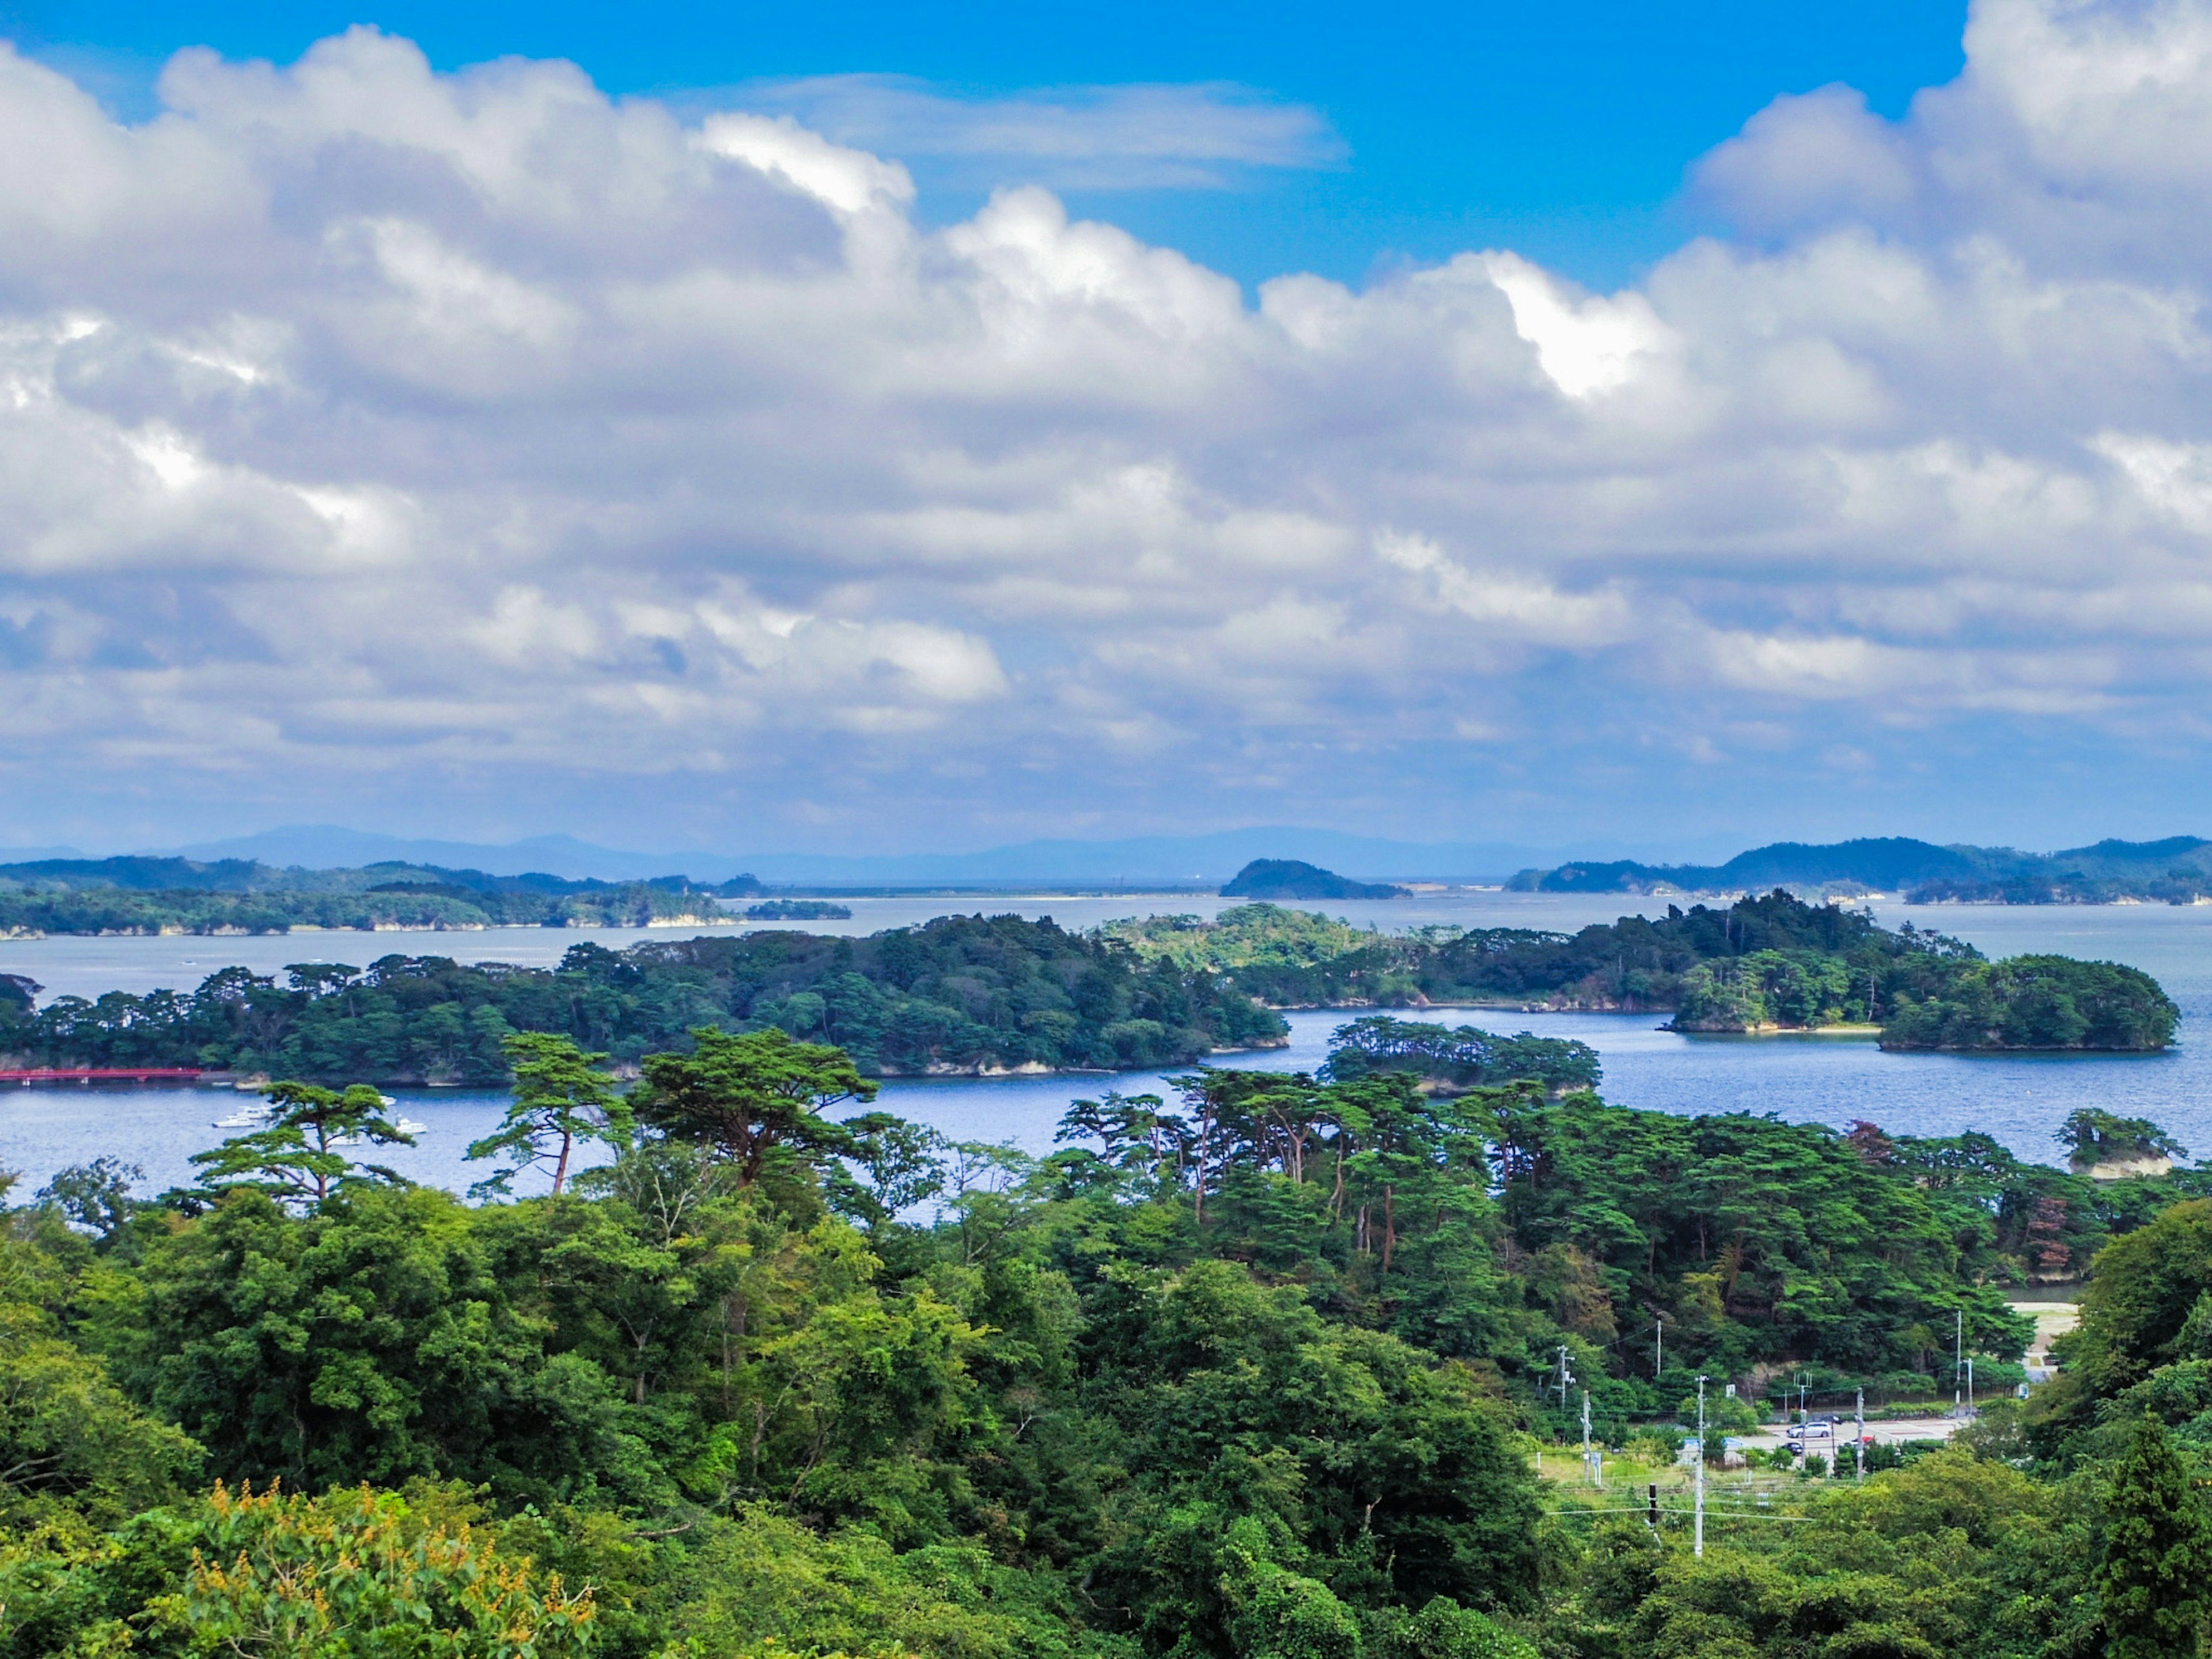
(1774, 962)
(978, 996)
(1259, 1369)
(962, 995)
(1291, 879)
(127, 895)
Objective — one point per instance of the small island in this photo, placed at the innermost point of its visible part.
(797, 910)
(1290, 878)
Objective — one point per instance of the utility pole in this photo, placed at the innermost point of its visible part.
(1651, 1514)
(1858, 1439)
(1659, 1364)
(1698, 1546)
(1566, 1378)
(1589, 1465)
(1958, 1358)
(1970, 1385)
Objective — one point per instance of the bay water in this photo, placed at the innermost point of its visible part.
(2019, 1099)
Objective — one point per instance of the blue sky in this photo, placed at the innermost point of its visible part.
(918, 430)
(1562, 130)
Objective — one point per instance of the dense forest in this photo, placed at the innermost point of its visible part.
(962, 995)
(238, 895)
(1257, 1371)
(980, 996)
(1771, 962)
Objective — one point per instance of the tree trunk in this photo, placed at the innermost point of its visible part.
(561, 1168)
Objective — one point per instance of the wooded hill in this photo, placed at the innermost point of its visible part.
(1769, 963)
(962, 995)
(239, 896)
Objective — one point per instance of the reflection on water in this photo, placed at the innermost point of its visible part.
(2019, 1099)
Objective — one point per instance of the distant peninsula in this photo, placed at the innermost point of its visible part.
(1289, 878)
(2175, 870)
(127, 895)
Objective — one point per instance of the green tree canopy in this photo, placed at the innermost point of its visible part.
(561, 1099)
(302, 1152)
(748, 1094)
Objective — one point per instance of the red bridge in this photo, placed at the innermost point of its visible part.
(104, 1074)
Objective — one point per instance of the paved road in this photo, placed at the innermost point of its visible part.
(1885, 1432)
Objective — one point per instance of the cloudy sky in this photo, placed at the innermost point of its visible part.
(821, 460)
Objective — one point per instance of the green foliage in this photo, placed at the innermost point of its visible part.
(762, 1582)
(560, 1101)
(960, 994)
(1251, 1369)
(751, 1096)
(2091, 1137)
(2151, 1580)
(352, 1575)
(1763, 1241)
(111, 895)
(298, 1156)
(94, 1196)
(2139, 1302)
(1771, 961)
(1764, 990)
(67, 1433)
(2036, 1002)
(1445, 1059)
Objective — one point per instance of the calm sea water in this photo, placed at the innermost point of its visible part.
(2021, 1100)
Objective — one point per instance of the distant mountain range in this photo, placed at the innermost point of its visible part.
(2178, 870)
(1152, 861)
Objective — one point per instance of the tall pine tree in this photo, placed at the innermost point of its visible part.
(2153, 1581)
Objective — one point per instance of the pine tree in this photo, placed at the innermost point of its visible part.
(2152, 1582)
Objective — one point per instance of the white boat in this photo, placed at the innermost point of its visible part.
(249, 1117)
(387, 1102)
(408, 1126)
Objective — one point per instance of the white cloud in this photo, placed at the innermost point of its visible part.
(846, 180)
(1587, 347)
(484, 435)
(1128, 137)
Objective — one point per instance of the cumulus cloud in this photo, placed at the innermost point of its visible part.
(493, 446)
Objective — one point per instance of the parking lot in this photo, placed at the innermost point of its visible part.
(1889, 1431)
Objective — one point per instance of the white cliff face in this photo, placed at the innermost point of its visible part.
(2127, 1167)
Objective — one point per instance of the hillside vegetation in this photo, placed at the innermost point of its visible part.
(1772, 963)
(962, 995)
(238, 895)
(1259, 1370)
